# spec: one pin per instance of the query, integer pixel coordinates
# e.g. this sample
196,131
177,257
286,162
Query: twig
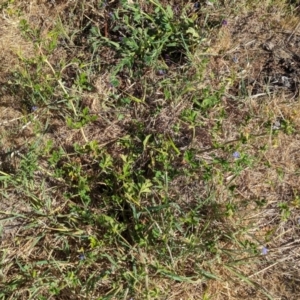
293,32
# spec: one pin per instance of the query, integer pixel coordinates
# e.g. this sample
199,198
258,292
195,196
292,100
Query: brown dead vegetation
257,56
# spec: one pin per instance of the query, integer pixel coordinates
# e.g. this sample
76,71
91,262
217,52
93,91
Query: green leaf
170,12
173,146
145,188
178,277
209,275
146,141
116,45
193,32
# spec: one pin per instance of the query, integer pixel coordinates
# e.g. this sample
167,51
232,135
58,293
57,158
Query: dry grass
257,205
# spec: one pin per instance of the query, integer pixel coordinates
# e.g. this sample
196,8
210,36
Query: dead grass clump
275,182
12,44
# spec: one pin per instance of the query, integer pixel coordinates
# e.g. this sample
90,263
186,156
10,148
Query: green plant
169,188
84,119
140,38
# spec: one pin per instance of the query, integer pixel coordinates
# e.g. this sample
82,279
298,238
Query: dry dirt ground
262,51
257,55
